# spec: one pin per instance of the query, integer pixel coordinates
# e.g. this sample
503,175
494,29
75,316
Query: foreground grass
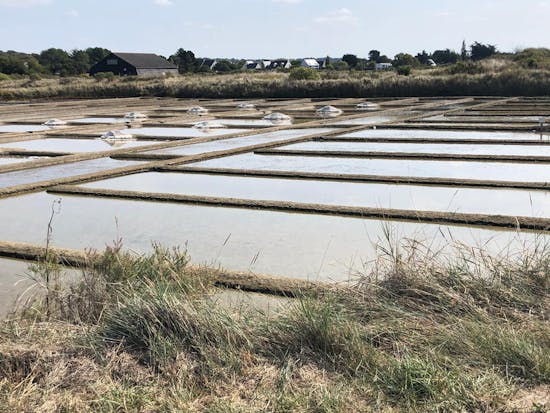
418,333
508,81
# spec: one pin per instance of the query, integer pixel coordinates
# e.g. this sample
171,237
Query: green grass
419,332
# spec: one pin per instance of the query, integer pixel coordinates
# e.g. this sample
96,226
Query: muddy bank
243,281
502,221
404,180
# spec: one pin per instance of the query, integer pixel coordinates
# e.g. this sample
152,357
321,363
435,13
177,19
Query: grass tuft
422,331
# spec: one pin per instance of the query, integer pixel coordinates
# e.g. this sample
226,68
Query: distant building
253,65
311,63
209,64
279,64
430,62
383,66
134,64
265,63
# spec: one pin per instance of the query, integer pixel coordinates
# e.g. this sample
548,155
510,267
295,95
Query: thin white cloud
163,3
72,13
24,3
342,15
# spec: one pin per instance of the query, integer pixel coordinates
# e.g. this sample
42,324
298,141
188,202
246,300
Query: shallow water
500,171
5,160
295,245
367,120
98,120
14,280
23,128
59,171
182,132
490,119
232,143
409,197
524,150
18,283
249,122
444,134
74,145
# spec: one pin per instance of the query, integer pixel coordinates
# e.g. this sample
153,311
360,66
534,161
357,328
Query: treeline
477,51
51,62
58,62
188,63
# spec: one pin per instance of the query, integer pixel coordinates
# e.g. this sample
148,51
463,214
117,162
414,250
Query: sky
272,28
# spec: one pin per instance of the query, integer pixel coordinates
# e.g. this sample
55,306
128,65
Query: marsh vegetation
416,332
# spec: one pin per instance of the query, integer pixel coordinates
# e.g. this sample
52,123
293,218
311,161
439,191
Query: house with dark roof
209,64
252,65
279,64
134,64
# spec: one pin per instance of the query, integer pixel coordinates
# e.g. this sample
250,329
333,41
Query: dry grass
419,332
494,77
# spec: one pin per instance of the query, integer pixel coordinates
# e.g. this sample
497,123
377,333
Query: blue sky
272,28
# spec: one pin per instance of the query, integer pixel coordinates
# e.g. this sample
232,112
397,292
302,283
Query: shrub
303,73
534,58
469,68
104,76
3,76
404,70
35,76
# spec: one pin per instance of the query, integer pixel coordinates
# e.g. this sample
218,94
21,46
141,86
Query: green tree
12,62
362,64
447,56
423,57
80,61
374,55
405,59
351,60
226,66
482,51
185,60
56,61
341,65
96,54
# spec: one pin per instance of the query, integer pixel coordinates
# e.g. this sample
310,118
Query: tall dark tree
56,61
96,54
383,59
351,60
80,61
423,57
447,56
482,51
374,55
185,60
